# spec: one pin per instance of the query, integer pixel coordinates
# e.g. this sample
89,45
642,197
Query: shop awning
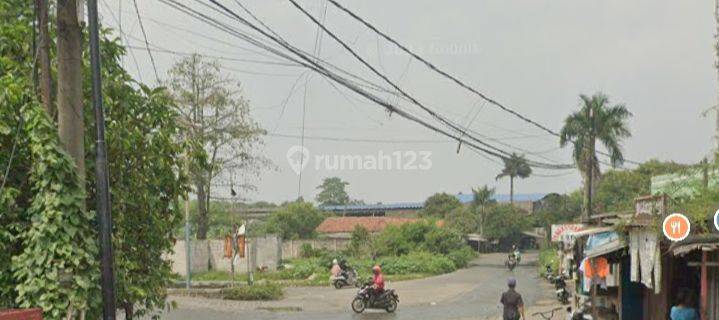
591,231
705,242
607,248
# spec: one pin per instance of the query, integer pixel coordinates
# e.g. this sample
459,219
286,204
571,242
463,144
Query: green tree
48,242
332,192
440,205
557,208
463,219
297,220
596,119
482,198
505,223
515,166
360,241
217,124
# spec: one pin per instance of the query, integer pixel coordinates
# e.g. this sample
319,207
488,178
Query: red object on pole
21,314
704,288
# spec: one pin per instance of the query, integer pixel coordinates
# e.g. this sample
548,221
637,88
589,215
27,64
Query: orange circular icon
676,227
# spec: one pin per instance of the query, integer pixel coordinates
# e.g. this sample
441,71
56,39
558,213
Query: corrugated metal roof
370,207
519,197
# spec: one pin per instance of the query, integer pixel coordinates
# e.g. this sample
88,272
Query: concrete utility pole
716,66
70,120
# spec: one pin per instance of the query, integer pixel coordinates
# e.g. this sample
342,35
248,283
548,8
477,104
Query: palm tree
597,119
514,166
481,199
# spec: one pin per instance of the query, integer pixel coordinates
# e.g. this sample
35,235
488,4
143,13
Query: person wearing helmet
512,302
336,270
377,279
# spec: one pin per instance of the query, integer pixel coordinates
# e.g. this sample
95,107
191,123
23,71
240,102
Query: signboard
560,229
650,205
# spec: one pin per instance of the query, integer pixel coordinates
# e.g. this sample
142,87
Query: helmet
334,261
511,282
376,269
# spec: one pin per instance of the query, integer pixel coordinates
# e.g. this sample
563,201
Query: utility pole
70,111
101,171
716,66
43,56
188,252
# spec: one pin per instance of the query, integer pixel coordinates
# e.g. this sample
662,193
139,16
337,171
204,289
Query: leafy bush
420,236
360,241
306,251
548,257
297,220
505,223
462,257
439,205
268,291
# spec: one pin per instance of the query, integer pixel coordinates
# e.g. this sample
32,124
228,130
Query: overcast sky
534,56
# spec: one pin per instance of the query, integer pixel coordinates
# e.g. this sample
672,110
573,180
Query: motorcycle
549,274
365,299
345,278
562,293
511,263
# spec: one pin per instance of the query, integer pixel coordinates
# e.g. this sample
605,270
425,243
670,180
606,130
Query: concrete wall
291,248
209,255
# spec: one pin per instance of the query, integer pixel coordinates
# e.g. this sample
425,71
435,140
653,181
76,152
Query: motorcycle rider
336,269
512,302
377,283
515,253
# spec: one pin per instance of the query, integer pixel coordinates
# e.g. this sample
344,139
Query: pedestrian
512,302
683,310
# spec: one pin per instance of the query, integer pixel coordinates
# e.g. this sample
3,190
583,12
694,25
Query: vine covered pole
101,171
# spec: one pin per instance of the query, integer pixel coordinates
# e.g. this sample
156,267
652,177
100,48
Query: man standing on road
512,302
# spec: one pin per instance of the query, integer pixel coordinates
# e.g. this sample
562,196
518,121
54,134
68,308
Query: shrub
306,251
268,291
462,257
297,220
419,236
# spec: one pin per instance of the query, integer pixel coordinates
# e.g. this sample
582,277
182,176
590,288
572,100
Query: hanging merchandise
601,266
228,247
241,246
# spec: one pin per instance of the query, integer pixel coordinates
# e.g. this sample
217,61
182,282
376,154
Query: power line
404,93
341,139
440,71
454,79
144,35
312,64
216,57
127,42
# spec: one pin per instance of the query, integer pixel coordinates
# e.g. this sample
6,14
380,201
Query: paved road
470,293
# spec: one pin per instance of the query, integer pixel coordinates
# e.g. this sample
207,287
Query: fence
263,252
291,248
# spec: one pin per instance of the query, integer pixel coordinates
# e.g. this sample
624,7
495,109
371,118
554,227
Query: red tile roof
372,224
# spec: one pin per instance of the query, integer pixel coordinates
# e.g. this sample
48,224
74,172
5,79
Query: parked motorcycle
561,287
549,274
511,263
345,278
387,300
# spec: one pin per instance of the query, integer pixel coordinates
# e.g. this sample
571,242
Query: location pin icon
298,157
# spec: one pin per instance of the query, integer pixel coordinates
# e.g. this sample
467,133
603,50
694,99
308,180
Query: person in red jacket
377,282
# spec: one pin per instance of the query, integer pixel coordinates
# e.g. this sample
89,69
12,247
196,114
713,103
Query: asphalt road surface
471,293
